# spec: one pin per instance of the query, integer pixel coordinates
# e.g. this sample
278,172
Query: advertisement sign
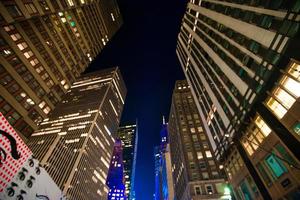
21,176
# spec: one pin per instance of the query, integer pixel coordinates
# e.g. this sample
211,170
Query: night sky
144,49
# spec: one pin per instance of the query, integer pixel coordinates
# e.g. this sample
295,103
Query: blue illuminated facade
115,177
158,174
161,166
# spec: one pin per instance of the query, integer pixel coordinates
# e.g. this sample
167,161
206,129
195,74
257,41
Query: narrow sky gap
144,49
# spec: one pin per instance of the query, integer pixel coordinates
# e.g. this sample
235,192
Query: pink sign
13,153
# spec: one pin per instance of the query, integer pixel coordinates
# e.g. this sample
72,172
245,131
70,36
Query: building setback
45,45
129,137
196,173
241,61
75,143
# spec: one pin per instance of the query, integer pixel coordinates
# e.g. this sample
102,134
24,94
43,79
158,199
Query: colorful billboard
21,176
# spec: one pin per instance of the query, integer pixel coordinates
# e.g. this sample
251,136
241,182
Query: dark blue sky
144,49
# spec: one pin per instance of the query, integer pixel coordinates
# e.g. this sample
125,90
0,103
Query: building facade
115,178
240,59
157,173
196,173
75,143
129,137
45,45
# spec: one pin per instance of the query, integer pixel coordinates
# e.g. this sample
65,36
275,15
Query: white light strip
118,91
92,82
113,107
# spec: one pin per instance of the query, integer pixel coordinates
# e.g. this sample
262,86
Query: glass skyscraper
128,134
75,143
45,45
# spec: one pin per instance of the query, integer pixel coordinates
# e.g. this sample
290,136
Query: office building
157,173
164,189
240,59
196,173
44,46
128,134
115,178
75,144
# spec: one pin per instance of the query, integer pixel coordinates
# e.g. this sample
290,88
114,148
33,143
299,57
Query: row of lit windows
286,92
255,135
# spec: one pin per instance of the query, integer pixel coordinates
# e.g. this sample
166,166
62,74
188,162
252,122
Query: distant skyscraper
45,45
75,143
164,189
196,172
157,173
241,61
115,177
129,137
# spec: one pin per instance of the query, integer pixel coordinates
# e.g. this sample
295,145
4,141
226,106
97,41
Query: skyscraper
129,137
75,143
196,173
164,188
115,177
157,173
45,45
241,61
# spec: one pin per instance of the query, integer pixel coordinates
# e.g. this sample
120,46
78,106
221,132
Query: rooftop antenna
164,121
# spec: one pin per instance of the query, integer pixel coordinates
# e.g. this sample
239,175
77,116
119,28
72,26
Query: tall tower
128,134
115,177
240,59
45,45
157,173
75,143
196,172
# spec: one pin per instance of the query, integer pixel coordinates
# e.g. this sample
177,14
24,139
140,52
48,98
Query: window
205,175
286,93
209,189
15,37
22,45
197,190
199,155
260,123
275,165
30,8
14,10
202,165
208,154
28,54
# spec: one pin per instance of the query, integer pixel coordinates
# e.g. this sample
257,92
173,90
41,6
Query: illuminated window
28,54
286,93
193,130
261,124
22,45
255,135
34,62
70,2
199,155
276,107
15,37
42,104
30,8
208,154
